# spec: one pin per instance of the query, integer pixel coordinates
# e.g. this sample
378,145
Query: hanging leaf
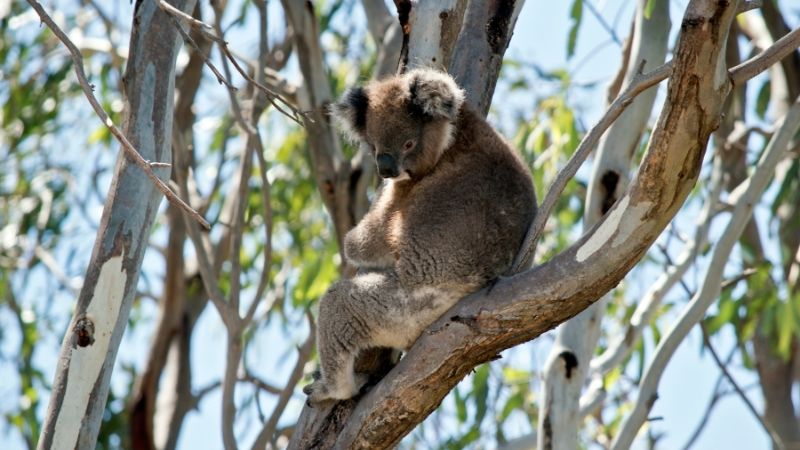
576,14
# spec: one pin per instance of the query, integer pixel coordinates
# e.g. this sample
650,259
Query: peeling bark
83,373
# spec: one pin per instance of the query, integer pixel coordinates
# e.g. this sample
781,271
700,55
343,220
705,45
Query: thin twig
716,395
188,39
759,63
204,28
127,147
776,438
260,384
202,246
268,221
266,192
609,29
202,392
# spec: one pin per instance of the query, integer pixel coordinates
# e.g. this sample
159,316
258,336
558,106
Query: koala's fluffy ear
435,93
350,113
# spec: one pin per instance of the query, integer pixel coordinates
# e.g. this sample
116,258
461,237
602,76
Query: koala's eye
409,145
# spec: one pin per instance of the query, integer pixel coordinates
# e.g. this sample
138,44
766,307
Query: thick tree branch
738,74
567,366
652,299
90,345
481,43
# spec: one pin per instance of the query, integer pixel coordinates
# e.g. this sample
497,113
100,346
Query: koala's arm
366,246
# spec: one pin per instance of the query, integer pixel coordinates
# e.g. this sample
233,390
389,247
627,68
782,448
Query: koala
451,214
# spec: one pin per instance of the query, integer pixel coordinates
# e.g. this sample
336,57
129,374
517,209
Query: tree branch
738,74
303,355
568,365
724,369
761,62
715,397
709,291
638,84
128,148
274,97
521,307
651,300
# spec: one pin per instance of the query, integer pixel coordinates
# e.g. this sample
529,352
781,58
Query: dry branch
275,98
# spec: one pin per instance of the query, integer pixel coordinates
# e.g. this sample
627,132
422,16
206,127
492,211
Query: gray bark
90,345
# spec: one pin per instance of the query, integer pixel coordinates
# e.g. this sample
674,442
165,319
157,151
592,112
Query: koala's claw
317,394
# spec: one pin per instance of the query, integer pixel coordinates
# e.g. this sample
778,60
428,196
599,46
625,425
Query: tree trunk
90,345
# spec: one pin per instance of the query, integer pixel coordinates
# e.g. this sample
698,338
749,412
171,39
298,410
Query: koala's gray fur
449,218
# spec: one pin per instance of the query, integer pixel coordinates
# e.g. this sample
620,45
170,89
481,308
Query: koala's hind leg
351,314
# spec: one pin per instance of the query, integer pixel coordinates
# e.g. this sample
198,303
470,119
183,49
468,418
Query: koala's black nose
387,166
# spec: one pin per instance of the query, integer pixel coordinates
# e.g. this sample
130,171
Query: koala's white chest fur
389,208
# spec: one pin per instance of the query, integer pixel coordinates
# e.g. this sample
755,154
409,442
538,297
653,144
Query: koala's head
407,120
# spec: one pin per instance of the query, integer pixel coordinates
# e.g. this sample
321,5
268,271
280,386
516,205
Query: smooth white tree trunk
90,345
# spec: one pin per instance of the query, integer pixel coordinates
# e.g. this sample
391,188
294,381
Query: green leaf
461,406
513,403
762,101
648,8
576,13
789,187
727,310
787,325
480,391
